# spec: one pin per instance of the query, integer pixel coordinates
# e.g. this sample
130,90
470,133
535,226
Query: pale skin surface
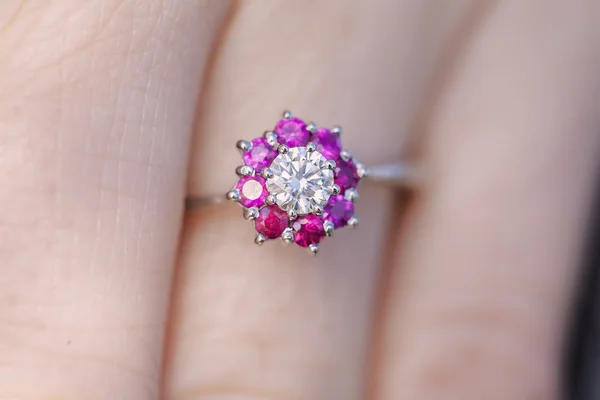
109,291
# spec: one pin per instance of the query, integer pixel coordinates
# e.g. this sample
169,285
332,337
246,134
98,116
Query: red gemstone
328,143
253,191
260,155
345,174
308,230
338,211
271,222
292,132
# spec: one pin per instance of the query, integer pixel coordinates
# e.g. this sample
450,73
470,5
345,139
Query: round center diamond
300,180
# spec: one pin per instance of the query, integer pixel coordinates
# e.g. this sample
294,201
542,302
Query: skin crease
462,297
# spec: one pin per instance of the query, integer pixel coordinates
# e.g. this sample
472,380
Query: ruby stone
253,191
308,230
260,155
346,175
338,211
271,222
328,143
292,132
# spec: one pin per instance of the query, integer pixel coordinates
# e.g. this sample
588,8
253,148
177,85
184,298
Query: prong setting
337,130
283,149
267,173
292,214
251,213
328,227
361,170
311,127
351,195
336,189
311,147
317,209
245,170
287,236
330,164
244,145
353,222
313,248
287,114
270,200
271,138
346,155
233,195
260,239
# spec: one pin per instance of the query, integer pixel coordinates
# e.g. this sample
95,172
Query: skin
113,111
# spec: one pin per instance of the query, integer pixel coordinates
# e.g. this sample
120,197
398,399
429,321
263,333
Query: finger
476,301
271,322
96,106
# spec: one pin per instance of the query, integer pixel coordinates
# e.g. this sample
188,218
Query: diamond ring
298,184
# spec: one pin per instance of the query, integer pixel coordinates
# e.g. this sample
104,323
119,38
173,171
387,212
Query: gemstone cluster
297,183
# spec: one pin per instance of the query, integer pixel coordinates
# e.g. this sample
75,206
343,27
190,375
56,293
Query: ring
298,184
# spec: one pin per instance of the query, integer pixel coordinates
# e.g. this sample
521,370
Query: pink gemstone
253,191
292,132
308,230
345,174
260,155
338,211
271,222
328,144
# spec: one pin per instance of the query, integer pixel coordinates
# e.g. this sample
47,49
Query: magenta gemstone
292,132
308,230
253,191
271,222
345,174
338,211
328,143
260,155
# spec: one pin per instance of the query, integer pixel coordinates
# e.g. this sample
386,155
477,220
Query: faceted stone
260,155
292,132
300,180
308,230
338,211
328,143
271,222
345,174
253,191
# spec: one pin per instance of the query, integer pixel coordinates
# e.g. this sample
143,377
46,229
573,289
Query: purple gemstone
271,222
338,210
308,230
345,174
328,143
253,191
260,155
292,132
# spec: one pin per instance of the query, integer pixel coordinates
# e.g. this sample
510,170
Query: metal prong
244,170
335,189
244,145
267,173
330,164
316,209
271,138
353,222
270,200
233,195
287,236
361,170
250,213
313,248
292,214
328,226
283,149
287,114
311,127
260,239
310,147
346,155
351,194
336,130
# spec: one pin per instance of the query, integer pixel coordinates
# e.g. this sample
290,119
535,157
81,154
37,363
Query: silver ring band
399,175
